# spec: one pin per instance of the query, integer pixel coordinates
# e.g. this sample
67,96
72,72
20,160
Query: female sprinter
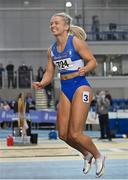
68,53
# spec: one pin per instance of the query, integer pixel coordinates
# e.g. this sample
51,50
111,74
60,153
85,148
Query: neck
61,42
62,38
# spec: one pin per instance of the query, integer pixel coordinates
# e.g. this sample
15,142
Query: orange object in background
10,140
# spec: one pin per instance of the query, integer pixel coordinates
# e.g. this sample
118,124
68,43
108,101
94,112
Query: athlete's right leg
63,117
63,113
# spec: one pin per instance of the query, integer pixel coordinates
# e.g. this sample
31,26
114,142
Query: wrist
42,84
85,69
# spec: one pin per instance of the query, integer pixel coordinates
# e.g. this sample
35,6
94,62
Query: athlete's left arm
82,48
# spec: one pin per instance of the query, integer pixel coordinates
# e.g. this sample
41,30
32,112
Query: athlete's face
58,25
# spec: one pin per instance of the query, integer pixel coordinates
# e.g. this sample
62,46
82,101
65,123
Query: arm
48,75
82,48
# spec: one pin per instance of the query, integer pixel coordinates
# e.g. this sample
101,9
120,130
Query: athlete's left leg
79,112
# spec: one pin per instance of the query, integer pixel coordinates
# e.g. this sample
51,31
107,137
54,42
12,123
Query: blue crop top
69,59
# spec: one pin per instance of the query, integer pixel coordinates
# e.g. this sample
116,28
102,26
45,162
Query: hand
37,85
81,71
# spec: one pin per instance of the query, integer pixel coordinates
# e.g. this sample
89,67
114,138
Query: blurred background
25,37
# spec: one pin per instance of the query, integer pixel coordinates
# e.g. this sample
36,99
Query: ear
66,27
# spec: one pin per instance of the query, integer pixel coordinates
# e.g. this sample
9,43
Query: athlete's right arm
48,75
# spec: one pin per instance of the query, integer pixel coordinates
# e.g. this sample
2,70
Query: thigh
80,107
63,113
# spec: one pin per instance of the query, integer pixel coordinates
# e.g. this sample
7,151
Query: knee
73,137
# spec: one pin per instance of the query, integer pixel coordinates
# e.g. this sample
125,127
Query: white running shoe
100,163
88,161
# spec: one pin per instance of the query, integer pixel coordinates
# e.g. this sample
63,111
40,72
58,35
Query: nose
52,25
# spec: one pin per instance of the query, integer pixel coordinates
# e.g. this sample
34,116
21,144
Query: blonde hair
78,32
67,18
73,29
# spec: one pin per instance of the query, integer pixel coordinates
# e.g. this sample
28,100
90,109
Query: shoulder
53,46
78,43
50,55
49,52
51,49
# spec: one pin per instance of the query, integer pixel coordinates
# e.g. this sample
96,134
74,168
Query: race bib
86,96
63,64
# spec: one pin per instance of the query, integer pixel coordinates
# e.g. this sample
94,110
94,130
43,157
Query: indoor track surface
53,159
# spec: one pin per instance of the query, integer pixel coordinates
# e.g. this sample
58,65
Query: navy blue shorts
69,86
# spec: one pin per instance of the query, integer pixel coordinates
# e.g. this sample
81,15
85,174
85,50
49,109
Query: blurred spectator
15,79
24,77
6,106
40,73
29,97
11,104
30,68
16,104
1,75
1,105
112,29
30,101
1,102
108,95
93,103
10,75
1,99
49,93
95,28
102,109
22,122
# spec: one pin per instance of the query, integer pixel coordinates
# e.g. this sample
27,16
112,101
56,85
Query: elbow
95,64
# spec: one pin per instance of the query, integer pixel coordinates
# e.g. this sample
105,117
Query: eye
51,23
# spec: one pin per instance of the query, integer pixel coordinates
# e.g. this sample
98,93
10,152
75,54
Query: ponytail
78,32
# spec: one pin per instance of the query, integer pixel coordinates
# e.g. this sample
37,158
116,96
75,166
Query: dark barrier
34,138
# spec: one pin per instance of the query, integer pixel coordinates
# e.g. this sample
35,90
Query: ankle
88,156
98,156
